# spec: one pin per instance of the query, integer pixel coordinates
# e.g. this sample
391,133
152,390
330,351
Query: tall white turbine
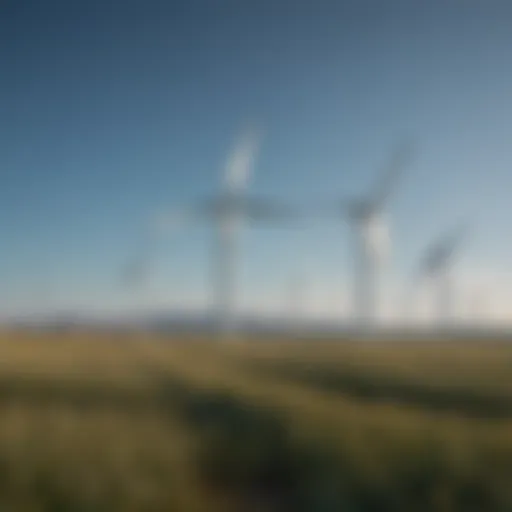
228,210
436,265
371,239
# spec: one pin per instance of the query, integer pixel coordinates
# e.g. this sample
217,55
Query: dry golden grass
81,429
474,363
474,378
384,448
124,422
56,458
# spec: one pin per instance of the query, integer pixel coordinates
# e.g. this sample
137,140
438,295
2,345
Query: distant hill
173,322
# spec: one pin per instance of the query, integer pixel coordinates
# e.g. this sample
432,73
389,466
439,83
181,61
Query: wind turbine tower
228,211
296,298
437,265
370,236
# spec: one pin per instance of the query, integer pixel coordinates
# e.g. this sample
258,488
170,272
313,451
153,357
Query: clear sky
111,110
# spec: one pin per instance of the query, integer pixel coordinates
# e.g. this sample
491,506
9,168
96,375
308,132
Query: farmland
139,422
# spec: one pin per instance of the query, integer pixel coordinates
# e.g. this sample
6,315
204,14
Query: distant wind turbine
437,263
137,273
477,302
228,210
296,297
371,239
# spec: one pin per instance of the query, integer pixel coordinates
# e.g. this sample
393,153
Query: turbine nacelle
248,208
360,211
440,255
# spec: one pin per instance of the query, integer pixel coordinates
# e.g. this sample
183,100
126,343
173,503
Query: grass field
133,422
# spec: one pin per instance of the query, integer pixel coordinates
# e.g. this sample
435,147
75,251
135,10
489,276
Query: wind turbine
478,303
296,298
227,211
370,234
161,226
437,264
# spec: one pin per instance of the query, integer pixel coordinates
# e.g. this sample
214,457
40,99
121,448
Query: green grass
472,383
136,423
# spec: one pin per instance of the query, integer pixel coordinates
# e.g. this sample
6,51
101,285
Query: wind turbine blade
136,272
268,210
331,209
168,223
436,265
159,227
240,162
164,224
439,252
458,236
391,175
455,240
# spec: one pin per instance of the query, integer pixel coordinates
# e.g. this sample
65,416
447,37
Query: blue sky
112,110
